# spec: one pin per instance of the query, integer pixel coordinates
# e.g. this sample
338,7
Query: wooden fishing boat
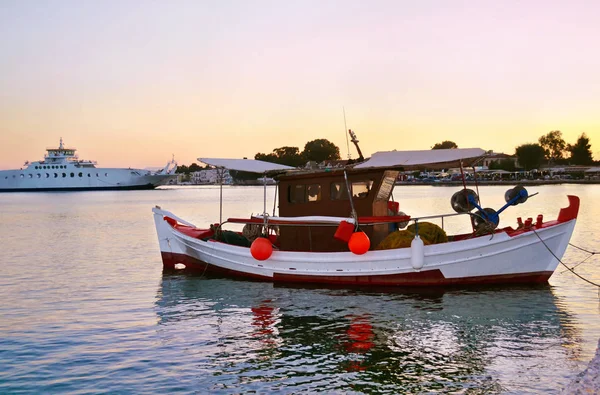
341,227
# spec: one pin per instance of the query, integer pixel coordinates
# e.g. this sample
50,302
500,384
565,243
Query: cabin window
297,193
105,174
360,189
47,175
338,191
97,175
80,174
22,176
89,174
72,174
55,175
39,175
31,176
313,193
64,175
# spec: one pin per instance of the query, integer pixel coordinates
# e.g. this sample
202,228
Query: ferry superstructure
62,170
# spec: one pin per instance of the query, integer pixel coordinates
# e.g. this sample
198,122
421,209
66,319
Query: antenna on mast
346,128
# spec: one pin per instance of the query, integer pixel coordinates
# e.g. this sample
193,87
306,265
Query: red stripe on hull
415,279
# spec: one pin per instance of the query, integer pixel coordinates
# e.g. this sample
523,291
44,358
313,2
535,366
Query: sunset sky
128,83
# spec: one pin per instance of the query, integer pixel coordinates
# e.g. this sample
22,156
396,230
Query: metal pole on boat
265,193
275,199
220,175
351,201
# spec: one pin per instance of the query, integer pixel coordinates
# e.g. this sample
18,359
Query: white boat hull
522,257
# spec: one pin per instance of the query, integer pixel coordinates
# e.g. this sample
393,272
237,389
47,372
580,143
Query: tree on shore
289,156
553,145
447,144
530,156
503,164
320,150
317,150
183,169
581,152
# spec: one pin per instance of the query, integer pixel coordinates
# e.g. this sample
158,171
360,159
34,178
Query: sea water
85,308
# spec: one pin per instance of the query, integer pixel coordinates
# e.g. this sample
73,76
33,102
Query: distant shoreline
436,184
503,182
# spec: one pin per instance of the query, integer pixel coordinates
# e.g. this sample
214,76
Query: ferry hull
525,257
95,179
62,170
79,189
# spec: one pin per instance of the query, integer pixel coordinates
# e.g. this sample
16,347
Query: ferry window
80,174
72,174
47,175
31,176
64,175
36,167
22,176
313,193
297,193
39,175
55,175
361,189
105,174
338,191
97,175
89,174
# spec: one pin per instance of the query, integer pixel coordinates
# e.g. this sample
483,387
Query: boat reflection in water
254,336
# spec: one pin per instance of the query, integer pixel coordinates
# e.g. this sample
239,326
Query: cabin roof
249,165
421,158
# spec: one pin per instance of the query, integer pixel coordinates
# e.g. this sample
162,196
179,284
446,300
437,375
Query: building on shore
211,176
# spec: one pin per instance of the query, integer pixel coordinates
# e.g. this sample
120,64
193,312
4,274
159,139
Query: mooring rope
565,265
592,253
583,249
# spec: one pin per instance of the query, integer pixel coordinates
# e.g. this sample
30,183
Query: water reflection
269,338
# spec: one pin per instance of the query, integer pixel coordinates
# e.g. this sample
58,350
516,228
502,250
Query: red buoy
359,243
261,249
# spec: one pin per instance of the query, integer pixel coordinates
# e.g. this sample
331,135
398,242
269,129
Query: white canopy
422,157
250,165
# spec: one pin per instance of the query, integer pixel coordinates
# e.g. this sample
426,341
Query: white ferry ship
62,170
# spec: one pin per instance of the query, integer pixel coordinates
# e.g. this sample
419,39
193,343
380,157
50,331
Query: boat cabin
325,193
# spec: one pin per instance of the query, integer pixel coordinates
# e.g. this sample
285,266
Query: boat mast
347,142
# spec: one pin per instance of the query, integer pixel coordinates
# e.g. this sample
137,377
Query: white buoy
417,253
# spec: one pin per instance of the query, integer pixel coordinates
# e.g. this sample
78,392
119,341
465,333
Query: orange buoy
261,249
359,243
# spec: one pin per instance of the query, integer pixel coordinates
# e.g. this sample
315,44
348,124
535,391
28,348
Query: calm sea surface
85,308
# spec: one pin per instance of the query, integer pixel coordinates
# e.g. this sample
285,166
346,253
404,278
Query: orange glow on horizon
231,81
